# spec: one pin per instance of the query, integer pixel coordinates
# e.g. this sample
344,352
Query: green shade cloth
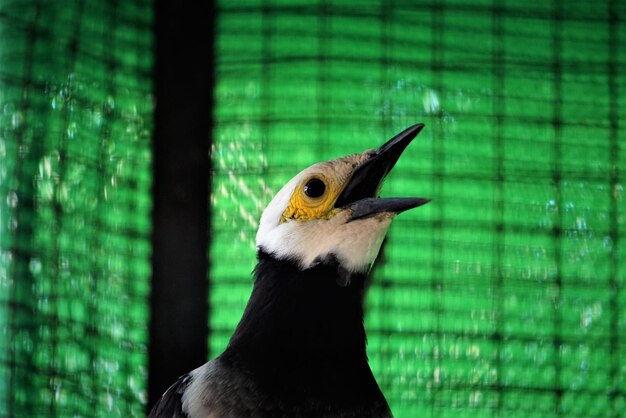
502,297
505,295
75,176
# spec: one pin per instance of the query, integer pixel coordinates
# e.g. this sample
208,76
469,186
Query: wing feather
171,403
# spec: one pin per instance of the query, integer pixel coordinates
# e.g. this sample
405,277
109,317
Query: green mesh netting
505,295
75,131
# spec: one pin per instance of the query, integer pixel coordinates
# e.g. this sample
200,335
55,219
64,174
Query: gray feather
170,405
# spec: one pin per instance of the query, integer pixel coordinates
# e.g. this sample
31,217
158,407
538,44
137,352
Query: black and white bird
299,349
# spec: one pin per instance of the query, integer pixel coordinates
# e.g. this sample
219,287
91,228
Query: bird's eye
314,188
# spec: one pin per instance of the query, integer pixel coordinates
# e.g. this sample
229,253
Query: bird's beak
360,195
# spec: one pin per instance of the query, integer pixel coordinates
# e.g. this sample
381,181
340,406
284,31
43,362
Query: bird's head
333,210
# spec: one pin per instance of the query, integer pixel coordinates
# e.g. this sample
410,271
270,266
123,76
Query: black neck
302,332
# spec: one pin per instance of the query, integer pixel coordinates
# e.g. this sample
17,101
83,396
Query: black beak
361,192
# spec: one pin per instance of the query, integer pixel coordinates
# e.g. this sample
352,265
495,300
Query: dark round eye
314,188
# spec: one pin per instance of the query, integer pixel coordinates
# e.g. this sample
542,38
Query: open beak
361,193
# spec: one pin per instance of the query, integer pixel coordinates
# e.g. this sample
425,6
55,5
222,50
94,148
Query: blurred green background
502,297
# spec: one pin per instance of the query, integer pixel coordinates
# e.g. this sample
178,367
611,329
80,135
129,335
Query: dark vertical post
184,78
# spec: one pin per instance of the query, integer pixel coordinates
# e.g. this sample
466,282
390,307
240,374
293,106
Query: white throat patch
355,244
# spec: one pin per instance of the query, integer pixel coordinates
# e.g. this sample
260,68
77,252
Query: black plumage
170,404
298,351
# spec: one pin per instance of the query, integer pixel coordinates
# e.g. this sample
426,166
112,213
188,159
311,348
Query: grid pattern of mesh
75,131
505,295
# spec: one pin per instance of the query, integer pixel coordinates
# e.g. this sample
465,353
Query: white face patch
354,243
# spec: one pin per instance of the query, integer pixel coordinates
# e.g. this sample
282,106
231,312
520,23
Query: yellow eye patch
307,205
315,196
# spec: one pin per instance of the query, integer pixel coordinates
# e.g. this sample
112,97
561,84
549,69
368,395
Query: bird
299,349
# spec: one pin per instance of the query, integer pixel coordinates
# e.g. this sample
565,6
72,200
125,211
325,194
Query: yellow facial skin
335,175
